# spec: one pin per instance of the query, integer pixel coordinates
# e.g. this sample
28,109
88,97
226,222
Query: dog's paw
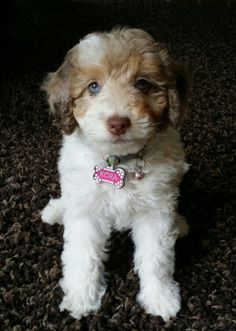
77,306
53,212
161,299
82,302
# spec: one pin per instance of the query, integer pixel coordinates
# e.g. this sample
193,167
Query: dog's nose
118,125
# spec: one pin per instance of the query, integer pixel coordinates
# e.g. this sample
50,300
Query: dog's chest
120,205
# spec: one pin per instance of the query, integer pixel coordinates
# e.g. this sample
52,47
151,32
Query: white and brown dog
119,98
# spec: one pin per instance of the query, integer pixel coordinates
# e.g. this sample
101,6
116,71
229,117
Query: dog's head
119,88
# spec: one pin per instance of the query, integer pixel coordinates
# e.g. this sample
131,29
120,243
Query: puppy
119,97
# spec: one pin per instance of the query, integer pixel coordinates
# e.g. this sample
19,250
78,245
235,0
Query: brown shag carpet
35,40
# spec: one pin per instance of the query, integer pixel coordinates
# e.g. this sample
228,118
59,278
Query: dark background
35,37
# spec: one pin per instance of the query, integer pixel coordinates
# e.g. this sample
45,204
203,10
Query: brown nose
118,125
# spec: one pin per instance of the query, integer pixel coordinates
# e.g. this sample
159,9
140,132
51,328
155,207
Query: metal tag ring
140,163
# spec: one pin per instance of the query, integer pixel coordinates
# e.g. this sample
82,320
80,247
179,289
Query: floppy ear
57,85
178,93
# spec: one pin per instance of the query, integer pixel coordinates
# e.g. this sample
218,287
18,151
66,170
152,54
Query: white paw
161,299
53,212
82,302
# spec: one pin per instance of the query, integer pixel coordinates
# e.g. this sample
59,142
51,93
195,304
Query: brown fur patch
158,112
86,75
64,117
79,108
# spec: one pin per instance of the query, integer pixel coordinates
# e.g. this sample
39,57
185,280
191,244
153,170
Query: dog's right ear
57,87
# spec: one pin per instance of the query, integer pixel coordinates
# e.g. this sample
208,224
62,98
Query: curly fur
148,207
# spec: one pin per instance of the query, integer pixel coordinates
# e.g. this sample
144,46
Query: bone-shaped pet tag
112,176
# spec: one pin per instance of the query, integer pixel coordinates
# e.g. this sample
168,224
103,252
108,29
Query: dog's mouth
119,140
122,141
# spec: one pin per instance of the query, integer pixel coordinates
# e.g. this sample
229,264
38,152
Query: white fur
53,212
90,211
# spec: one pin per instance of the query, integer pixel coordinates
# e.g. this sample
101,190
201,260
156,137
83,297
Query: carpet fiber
35,40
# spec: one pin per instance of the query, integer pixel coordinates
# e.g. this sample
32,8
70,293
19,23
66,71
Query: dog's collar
113,160
116,175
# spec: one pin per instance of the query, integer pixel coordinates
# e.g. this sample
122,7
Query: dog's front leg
83,254
154,238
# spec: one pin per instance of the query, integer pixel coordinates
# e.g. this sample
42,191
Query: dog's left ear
178,92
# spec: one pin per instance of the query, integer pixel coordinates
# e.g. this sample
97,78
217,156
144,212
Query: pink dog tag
107,175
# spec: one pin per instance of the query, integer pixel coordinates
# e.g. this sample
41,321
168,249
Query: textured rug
34,42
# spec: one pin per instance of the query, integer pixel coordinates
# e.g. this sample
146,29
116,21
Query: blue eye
143,85
94,87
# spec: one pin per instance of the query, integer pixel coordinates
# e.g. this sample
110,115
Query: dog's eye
94,87
143,85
